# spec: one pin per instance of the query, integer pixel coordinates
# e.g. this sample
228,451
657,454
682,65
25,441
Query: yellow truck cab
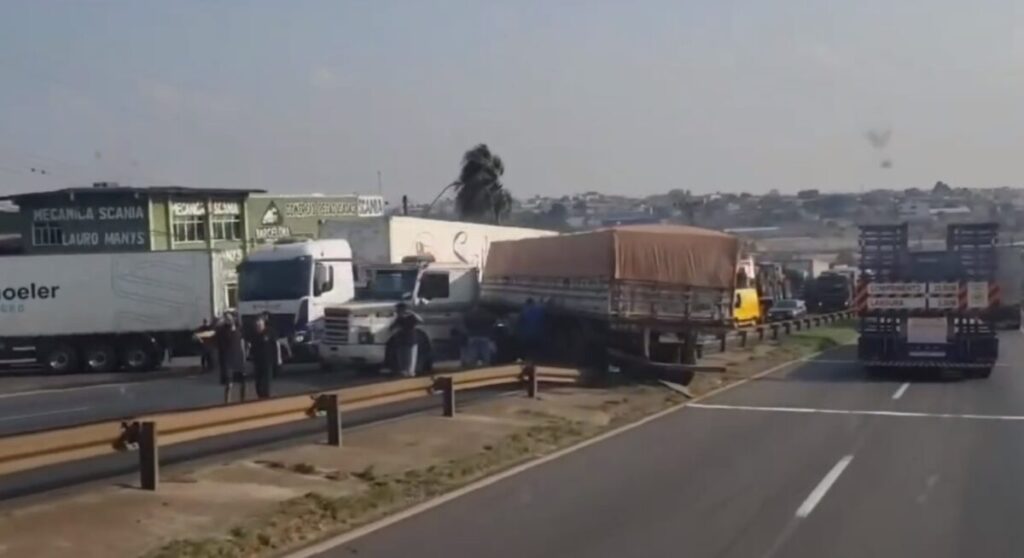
746,307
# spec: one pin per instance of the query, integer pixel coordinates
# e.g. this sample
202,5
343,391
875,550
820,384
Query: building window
190,228
227,227
231,290
47,234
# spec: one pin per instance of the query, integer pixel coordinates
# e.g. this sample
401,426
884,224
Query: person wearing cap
405,335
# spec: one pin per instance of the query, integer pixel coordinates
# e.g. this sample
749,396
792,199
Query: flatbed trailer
930,309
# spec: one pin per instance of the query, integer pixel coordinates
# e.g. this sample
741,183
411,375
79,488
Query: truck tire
99,357
137,356
61,358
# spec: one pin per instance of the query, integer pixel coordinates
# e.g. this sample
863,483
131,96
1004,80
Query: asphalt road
51,408
820,459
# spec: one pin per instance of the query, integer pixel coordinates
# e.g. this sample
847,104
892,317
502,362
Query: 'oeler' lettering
29,292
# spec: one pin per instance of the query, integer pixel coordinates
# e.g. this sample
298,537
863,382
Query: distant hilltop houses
807,212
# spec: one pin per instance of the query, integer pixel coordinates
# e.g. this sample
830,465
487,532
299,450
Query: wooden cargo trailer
646,291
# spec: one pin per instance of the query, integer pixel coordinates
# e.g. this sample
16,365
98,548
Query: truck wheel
61,358
137,357
100,357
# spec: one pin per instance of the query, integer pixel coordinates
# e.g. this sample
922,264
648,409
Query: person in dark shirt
263,351
230,355
530,330
405,336
204,335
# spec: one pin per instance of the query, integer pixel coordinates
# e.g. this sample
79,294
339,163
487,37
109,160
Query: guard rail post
807,323
760,333
721,342
775,331
447,386
531,380
743,338
817,321
799,325
330,403
787,326
149,456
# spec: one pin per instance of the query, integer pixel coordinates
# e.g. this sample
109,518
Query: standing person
230,355
405,325
204,335
530,330
282,344
478,347
263,351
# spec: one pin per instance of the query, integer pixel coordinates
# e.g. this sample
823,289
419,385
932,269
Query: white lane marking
899,393
44,414
360,532
819,491
812,360
809,410
59,390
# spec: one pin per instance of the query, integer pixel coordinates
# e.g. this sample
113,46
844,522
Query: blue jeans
477,350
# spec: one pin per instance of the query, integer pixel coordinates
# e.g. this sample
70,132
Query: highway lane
817,460
20,412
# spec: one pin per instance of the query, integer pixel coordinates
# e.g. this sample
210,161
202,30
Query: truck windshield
390,284
275,280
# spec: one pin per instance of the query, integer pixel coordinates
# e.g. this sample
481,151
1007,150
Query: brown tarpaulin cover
664,254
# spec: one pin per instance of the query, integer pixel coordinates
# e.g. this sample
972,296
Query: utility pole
380,187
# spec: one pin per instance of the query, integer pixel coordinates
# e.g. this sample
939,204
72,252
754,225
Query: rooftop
101,188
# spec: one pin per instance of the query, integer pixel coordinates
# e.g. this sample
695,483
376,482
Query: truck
104,312
432,265
293,281
1009,276
928,309
634,295
393,239
832,291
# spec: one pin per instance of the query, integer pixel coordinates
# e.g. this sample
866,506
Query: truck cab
358,333
293,282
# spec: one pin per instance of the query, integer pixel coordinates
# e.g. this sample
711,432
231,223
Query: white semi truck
431,264
293,282
103,312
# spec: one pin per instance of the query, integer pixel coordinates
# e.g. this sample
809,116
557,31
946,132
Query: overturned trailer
643,291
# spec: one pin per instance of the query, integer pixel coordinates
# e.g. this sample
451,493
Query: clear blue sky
637,97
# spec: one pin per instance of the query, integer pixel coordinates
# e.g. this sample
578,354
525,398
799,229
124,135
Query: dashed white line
808,410
44,414
826,483
899,393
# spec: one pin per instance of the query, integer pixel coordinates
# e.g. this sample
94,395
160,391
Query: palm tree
478,190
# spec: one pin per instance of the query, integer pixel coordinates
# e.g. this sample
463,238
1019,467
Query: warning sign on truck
892,289
894,303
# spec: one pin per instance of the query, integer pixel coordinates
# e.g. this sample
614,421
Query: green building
227,223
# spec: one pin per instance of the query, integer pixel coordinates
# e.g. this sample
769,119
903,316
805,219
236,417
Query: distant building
228,223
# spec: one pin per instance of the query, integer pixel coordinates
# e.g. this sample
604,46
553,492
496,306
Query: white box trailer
390,239
101,312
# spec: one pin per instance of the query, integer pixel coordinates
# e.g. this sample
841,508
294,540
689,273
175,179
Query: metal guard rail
23,452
